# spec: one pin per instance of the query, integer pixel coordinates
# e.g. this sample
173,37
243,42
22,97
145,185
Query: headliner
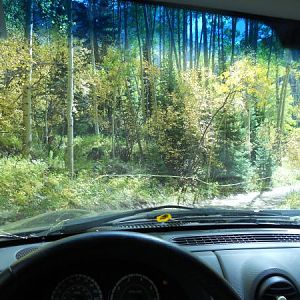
283,9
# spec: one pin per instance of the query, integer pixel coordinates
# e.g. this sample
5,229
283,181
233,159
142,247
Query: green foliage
20,181
293,149
9,145
28,188
292,201
139,111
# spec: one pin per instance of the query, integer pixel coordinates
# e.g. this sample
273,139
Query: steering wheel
186,269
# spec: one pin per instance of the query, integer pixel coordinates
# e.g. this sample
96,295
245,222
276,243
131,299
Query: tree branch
215,114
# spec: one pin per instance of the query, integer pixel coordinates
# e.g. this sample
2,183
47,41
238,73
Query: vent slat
236,239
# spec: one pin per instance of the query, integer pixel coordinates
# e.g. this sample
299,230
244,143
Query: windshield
110,105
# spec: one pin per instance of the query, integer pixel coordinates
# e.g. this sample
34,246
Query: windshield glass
109,105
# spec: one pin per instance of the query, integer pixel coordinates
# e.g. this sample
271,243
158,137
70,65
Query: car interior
155,254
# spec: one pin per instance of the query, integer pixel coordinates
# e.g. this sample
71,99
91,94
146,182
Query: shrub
20,182
28,188
9,145
292,201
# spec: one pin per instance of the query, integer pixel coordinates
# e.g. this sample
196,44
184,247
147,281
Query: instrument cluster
133,286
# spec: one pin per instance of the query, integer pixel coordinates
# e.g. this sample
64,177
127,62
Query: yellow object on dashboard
164,218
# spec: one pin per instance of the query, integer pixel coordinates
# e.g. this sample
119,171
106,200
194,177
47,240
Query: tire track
255,200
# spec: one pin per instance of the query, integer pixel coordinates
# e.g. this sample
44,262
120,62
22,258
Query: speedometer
77,287
135,287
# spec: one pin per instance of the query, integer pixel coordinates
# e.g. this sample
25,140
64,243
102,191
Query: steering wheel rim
136,247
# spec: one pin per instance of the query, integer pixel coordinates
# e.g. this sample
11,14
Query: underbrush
286,175
28,188
31,187
292,201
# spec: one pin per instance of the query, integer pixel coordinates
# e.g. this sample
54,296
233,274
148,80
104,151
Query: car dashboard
257,263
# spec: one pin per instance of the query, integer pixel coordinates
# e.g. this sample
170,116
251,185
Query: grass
32,187
292,201
28,188
286,175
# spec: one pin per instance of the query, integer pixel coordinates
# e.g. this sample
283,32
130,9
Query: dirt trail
255,200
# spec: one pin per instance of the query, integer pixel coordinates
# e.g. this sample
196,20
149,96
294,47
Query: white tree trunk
113,133
27,95
93,61
70,93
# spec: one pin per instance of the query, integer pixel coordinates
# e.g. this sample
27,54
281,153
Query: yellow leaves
293,149
225,75
261,103
243,76
267,136
150,69
223,89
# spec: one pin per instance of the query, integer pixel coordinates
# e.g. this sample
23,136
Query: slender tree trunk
270,53
113,128
97,12
171,49
153,24
179,36
246,35
27,95
3,28
205,42
160,35
191,40
126,44
48,103
70,93
200,48
148,34
114,20
221,54
277,78
254,37
93,63
164,33
233,38
213,49
222,44
143,104
196,39
172,39
184,39
119,23
281,111
137,128
210,40
283,99
219,45
46,123
249,146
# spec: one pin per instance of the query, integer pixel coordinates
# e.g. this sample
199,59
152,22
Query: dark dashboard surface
259,264
109,279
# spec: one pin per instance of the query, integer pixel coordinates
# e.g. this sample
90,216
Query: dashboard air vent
25,251
277,287
236,239
145,225
141,226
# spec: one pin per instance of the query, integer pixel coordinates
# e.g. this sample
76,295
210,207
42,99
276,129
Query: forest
108,104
